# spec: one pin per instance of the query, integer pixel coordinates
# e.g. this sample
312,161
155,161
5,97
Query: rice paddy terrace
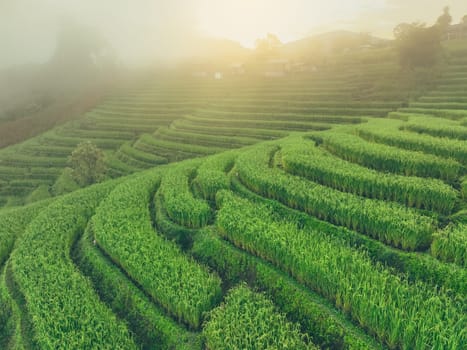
305,213
173,118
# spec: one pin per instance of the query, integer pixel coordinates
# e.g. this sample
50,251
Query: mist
52,47
139,31
146,32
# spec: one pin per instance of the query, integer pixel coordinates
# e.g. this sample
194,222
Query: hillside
321,245
322,210
175,116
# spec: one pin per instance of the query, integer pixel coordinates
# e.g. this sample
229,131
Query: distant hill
218,49
331,42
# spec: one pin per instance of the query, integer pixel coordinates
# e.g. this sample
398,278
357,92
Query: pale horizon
143,30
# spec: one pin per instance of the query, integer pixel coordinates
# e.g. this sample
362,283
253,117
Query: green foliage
149,323
401,314
173,151
417,267
305,159
194,127
178,199
138,158
389,222
387,158
450,245
203,140
87,164
211,176
387,132
326,328
40,193
181,234
437,127
418,45
14,221
248,320
6,314
122,227
439,112
64,310
64,183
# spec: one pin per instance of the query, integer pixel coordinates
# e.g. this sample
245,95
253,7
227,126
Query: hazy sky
140,29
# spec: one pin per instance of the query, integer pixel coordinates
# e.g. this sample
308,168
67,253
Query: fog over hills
143,31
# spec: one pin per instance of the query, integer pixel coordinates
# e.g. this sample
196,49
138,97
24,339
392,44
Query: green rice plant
275,115
399,313
13,332
182,235
389,222
248,320
122,227
31,174
64,310
172,155
433,97
7,315
13,223
317,318
118,167
138,128
416,266
136,111
333,109
302,158
21,187
145,319
47,151
126,159
440,105
256,133
64,183
150,159
72,141
450,245
211,175
178,200
442,113
387,132
174,147
26,161
388,158
436,127
203,139
281,125
40,193
261,104
73,130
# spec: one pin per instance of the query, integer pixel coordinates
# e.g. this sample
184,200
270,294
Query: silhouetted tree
269,45
464,20
418,45
444,21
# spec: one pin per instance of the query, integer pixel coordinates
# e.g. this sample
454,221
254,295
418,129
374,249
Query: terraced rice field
275,235
298,222
171,118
